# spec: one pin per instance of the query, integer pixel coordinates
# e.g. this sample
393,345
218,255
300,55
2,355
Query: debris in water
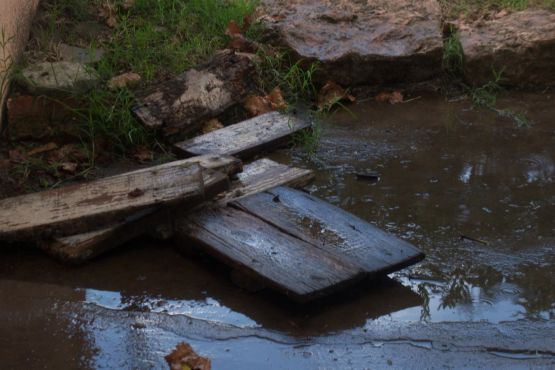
369,175
465,237
331,94
184,357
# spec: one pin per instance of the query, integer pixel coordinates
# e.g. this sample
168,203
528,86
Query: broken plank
82,207
245,138
265,174
286,263
331,229
179,107
81,247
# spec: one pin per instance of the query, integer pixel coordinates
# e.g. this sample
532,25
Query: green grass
155,38
453,56
295,79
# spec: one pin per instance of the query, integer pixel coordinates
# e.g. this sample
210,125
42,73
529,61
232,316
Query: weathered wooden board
82,247
180,106
82,207
296,243
331,229
245,138
265,174
284,262
257,176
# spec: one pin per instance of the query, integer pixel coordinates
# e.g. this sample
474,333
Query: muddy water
473,191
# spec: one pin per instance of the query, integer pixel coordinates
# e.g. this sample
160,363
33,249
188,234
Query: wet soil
476,193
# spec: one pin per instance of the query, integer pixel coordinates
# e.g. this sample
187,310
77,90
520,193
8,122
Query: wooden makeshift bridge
250,217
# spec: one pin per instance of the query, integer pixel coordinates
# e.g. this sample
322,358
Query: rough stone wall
15,21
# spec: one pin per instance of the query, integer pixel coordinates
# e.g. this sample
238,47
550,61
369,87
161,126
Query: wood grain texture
245,138
82,247
81,207
284,262
265,174
296,243
331,229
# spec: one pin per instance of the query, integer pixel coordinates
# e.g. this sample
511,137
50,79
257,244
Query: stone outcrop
59,77
521,45
360,42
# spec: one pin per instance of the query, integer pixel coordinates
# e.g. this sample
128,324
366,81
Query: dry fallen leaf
128,79
257,105
142,153
332,93
70,167
233,29
128,4
394,97
184,357
241,44
43,148
108,13
212,125
276,99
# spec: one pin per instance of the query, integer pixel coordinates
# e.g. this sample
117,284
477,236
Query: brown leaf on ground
394,97
257,105
276,99
247,21
67,153
42,149
241,44
142,153
233,29
332,93
128,79
70,167
212,125
128,4
107,12
184,357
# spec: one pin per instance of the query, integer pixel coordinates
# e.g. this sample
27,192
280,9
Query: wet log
179,107
83,207
85,246
245,138
297,244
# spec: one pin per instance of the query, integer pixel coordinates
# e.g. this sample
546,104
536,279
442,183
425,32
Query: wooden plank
331,229
284,262
245,138
82,247
288,239
81,207
179,107
265,174
257,176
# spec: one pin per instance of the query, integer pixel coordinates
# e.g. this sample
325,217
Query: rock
129,79
520,44
359,42
59,76
179,107
79,55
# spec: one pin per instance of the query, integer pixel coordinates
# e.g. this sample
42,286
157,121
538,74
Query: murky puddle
473,191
